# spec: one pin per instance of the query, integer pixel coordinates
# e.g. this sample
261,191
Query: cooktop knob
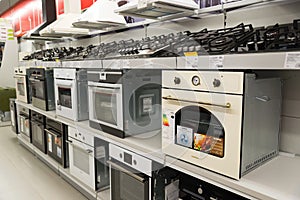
200,190
216,83
177,80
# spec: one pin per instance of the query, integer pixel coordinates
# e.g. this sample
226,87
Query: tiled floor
23,176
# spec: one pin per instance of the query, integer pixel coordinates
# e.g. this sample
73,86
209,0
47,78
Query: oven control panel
131,159
81,135
212,81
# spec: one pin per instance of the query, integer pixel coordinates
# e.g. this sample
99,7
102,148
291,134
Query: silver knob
200,190
216,83
177,80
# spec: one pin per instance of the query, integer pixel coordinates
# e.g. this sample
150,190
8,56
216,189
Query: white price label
58,150
292,60
191,62
49,142
216,62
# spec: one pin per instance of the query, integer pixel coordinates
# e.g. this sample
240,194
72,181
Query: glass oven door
21,88
106,106
38,135
24,125
38,88
81,157
126,184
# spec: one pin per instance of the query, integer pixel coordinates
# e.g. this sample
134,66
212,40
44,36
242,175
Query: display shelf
147,144
150,63
276,179
83,64
76,183
259,61
103,195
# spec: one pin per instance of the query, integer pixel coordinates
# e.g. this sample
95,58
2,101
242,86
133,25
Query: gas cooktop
242,38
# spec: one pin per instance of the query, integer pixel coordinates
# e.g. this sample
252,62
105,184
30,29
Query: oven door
81,158
38,135
21,88
126,184
65,98
106,105
55,148
24,125
203,129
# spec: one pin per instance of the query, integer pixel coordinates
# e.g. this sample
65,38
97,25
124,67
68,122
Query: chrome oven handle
114,165
227,105
34,80
69,142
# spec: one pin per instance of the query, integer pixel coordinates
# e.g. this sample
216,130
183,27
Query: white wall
10,60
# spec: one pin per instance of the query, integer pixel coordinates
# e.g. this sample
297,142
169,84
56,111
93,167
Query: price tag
292,61
216,62
191,60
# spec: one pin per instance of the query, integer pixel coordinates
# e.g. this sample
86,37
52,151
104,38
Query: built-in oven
82,156
38,132
125,102
42,87
135,177
24,122
13,115
57,148
22,85
227,122
71,93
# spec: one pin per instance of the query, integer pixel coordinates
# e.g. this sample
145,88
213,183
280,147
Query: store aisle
23,176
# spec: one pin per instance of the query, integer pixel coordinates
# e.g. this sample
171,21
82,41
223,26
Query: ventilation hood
100,15
49,16
63,27
158,9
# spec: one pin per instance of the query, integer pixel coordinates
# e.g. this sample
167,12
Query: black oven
37,131
24,115
57,134
42,87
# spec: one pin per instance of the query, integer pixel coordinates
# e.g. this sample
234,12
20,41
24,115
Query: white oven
81,156
106,105
22,88
71,93
227,122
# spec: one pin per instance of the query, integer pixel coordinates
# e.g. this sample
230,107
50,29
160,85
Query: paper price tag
191,60
216,62
292,61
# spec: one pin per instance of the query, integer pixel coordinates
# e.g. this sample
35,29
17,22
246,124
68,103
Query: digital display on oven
128,158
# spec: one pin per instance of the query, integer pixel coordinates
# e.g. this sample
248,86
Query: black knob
216,83
134,162
177,80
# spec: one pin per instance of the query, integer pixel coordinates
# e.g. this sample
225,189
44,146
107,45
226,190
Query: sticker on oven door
49,142
168,127
184,136
147,105
58,150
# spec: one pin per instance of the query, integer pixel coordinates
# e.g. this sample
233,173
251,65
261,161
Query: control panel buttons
177,80
196,80
216,83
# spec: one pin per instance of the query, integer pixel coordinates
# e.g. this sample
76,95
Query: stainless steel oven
56,134
22,85
24,122
42,87
125,102
135,177
227,122
37,131
71,93
130,175
82,156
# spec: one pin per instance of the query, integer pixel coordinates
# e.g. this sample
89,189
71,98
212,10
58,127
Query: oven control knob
134,162
200,190
216,83
177,80
121,156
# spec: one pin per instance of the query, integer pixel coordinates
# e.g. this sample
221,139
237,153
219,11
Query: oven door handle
114,165
227,105
70,142
34,80
52,133
16,76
